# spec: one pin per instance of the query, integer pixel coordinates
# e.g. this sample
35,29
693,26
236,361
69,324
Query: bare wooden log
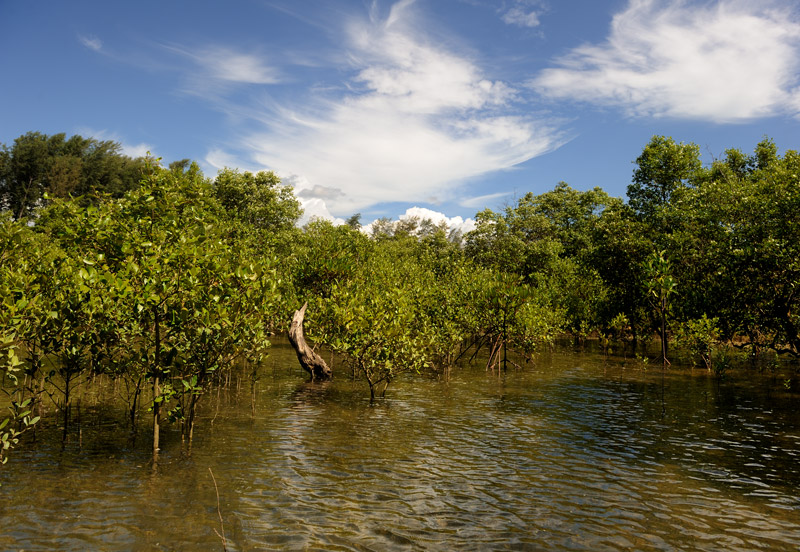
309,360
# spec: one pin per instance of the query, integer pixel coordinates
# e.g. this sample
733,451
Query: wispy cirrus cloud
91,42
217,70
412,121
226,64
725,61
131,150
484,201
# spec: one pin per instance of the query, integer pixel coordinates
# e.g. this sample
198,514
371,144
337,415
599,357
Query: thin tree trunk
156,414
664,332
157,387
135,404
192,412
67,399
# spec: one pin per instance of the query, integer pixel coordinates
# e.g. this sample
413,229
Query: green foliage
260,206
661,285
721,365
512,314
26,282
408,301
738,237
354,221
327,255
619,328
372,319
38,166
621,246
548,240
13,426
20,313
660,282
148,287
699,336
662,171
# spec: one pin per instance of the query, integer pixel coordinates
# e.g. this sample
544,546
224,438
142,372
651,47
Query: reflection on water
571,454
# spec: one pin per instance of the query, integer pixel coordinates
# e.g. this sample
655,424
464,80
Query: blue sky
379,107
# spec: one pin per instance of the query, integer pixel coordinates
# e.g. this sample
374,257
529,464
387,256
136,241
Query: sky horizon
446,107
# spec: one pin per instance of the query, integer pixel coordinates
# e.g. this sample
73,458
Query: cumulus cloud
725,61
415,120
524,13
453,224
315,208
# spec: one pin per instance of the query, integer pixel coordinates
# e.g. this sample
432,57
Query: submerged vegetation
166,281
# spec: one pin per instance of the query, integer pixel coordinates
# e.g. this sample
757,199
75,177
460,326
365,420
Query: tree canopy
37,166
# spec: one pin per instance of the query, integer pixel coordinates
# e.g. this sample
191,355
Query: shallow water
574,453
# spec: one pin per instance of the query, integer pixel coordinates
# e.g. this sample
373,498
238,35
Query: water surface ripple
574,453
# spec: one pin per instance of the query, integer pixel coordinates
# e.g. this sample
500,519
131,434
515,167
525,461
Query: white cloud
136,150
131,150
219,159
320,192
91,42
228,65
484,201
217,70
316,208
725,61
523,14
403,73
312,199
421,213
453,223
415,122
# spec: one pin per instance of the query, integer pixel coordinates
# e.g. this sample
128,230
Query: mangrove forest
163,279
163,289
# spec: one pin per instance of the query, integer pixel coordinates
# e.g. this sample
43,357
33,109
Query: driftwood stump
309,360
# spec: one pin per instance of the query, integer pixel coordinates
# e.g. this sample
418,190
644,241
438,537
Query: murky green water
575,453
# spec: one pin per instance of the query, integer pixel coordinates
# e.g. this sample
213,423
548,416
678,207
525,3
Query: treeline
166,280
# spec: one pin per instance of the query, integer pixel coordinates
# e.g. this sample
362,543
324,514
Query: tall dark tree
38,164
